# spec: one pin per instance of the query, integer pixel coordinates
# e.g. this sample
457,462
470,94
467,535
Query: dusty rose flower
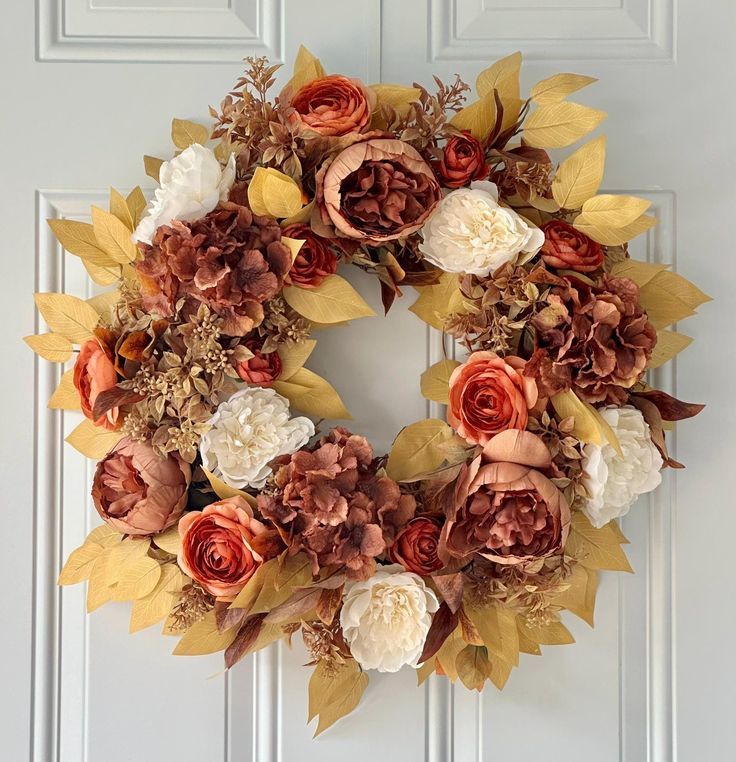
463,160
489,394
315,260
138,492
217,546
566,248
376,191
261,369
508,511
331,504
94,373
334,105
230,260
415,546
595,339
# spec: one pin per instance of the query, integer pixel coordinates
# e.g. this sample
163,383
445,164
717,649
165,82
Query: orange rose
568,249
415,547
334,105
217,546
94,373
489,394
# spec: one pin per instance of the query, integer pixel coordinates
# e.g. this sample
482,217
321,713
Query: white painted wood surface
88,87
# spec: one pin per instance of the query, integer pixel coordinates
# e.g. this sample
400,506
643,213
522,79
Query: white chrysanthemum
469,232
192,184
614,482
385,619
247,432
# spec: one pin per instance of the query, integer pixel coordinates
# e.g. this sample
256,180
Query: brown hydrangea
594,339
231,260
331,503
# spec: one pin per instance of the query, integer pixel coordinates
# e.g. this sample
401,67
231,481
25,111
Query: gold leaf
119,207
614,236
78,566
595,548
113,236
339,696
288,573
293,244
50,346
448,653
312,395
307,67
249,594
65,396
611,211
152,166
203,637
668,297
273,194
589,425
579,598
502,76
435,381
438,301
67,315
497,627
415,452
78,238
302,216
98,591
333,301
557,125
669,344
93,441
478,118
104,275
170,540
129,551
397,97
557,87
552,634
224,491
136,203
425,670
158,603
579,176
103,302
184,133
293,356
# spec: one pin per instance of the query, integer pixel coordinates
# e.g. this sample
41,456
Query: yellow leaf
302,216
497,627
397,97
279,583
293,356
103,302
293,244
170,540
614,236
669,345
224,491
312,395
119,207
98,591
203,637
552,634
273,194
448,653
502,76
640,272
335,693
333,301
610,211
595,548
158,603
478,118
113,236
93,441
78,566
50,346
67,315
435,381
425,670
579,598
557,87
579,176
136,203
473,667
78,238
152,166
66,396
184,133
416,451
307,68
557,125
589,425
438,301
104,275
264,575
668,297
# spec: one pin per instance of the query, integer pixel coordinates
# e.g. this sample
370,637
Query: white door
88,87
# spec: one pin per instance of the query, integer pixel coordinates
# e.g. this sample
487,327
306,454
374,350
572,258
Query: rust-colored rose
489,394
376,191
315,260
138,492
568,249
415,547
217,546
463,160
263,368
94,373
508,510
334,105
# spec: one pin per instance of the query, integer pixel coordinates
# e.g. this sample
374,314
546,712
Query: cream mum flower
614,482
385,619
192,184
470,232
247,432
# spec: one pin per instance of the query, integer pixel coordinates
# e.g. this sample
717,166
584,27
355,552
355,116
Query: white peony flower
385,619
469,232
192,184
248,431
613,482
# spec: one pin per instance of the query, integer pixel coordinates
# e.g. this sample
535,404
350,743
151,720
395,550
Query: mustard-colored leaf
579,598
204,637
224,491
184,133
435,381
557,87
333,301
557,125
502,76
613,211
158,603
595,548
440,300
609,236
51,346
579,176
589,425
293,356
273,194
312,394
478,118
93,441
113,236
416,452
78,238
669,345
152,166
119,207
65,396
67,315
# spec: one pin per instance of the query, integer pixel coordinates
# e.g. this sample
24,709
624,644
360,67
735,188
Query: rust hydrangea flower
594,339
231,260
331,504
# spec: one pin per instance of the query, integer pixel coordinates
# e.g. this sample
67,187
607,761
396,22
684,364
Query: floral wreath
230,518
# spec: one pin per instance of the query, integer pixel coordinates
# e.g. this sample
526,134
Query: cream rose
191,185
385,619
469,232
247,432
614,482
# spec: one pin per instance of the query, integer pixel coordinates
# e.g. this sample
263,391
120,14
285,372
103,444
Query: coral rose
315,260
463,160
508,511
415,547
566,248
489,394
376,191
94,373
334,105
217,546
138,492
261,369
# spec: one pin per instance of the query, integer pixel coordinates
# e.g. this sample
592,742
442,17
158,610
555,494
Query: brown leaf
671,409
227,618
301,602
244,640
111,398
328,603
451,587
443,624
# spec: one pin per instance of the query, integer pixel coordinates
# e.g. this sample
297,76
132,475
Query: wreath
229,516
